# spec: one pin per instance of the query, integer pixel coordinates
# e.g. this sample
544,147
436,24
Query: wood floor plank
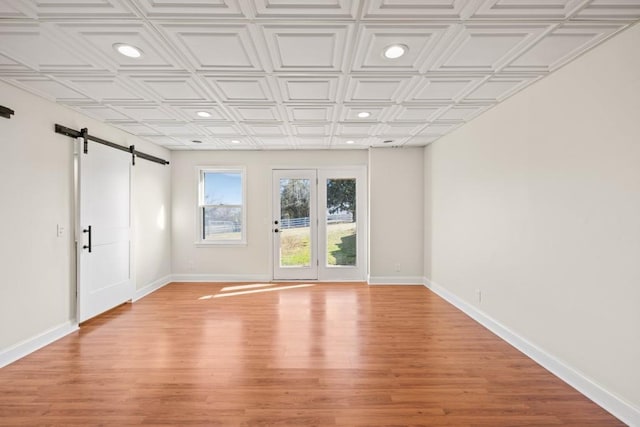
342,354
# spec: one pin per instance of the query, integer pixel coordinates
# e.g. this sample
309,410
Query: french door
319,224
103,230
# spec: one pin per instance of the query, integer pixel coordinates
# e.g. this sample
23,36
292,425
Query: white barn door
103,230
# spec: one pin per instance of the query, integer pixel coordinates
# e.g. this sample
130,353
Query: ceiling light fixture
349,142
128,50
395,51
197,141
364,114
203,114
235,141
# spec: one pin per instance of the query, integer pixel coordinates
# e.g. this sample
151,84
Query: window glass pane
341,222
295,233
222,223
222,188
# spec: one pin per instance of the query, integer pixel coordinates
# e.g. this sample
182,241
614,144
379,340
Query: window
221,206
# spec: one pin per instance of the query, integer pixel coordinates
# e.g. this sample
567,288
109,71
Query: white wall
396,210
537,203
37,285
250,262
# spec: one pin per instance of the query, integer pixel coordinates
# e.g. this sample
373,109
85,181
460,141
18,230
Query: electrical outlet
191,265
397,267
59,230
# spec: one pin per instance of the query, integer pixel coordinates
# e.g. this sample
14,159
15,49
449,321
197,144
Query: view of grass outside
341,245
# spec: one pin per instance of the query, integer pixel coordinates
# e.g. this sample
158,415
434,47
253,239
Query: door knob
275,222
276,230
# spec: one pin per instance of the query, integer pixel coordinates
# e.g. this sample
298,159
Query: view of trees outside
341,222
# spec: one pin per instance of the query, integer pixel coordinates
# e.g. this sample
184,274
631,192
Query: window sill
201,244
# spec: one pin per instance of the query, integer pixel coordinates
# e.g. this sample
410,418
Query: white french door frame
325,272
309,272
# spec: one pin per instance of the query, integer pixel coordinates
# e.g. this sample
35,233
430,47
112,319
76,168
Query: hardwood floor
289,354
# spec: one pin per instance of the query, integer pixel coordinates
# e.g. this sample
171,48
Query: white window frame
200,240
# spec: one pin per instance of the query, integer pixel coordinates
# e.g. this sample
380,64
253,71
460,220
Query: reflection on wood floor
297,354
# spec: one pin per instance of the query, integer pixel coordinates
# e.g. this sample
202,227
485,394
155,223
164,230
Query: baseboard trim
618,407
220,278
396,280
152,287
28,346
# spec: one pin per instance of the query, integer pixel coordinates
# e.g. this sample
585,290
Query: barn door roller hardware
84,134
6,112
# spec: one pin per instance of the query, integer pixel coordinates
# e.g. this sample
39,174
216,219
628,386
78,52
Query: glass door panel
341,222
295,230
342,201
295,225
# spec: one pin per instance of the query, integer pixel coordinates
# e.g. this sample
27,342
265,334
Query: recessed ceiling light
235,141
197,141
349,142
203,114
128,50
395,51
364,114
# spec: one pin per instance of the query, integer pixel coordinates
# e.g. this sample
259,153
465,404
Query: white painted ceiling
293,74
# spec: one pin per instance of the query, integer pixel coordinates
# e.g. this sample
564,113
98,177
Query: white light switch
59,230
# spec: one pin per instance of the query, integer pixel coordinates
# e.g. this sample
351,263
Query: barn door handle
87,230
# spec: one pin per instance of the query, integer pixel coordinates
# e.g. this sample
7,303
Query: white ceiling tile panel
308,89
98,40
38,47
378,89
172,89
374,38
498,88
309,113
356,129
102,112
241,89
176,129
219,47
442,89
486,48
312,129
106,89
422,9
136,128
377,113
145,113
312,142
104,9
399,129
307,47
265,129
624,10
48,88
527,9
560,46
191,8
408,113
8,11
223,129
256,112
190,112
309,9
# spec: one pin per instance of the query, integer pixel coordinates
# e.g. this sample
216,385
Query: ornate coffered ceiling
286,74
